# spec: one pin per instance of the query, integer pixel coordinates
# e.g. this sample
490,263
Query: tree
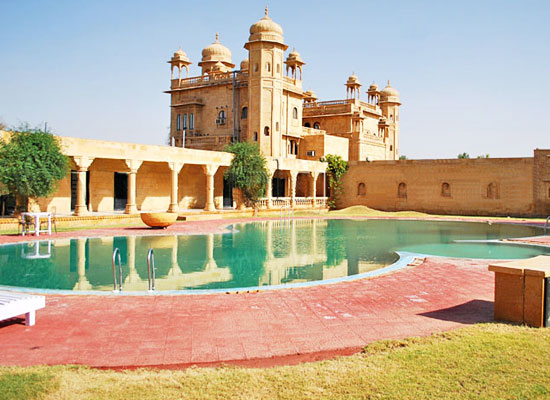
464,155
31,164
337,167
403,157
247,171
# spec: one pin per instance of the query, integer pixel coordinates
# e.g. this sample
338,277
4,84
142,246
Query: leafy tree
337,167
483,156
403,158
247,171
463,155
31,164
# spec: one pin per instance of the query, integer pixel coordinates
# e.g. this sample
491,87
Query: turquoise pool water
255,254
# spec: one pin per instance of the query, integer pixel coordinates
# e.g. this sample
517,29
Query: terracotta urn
159,219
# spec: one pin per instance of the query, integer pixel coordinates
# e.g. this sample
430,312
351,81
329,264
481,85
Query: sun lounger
13,304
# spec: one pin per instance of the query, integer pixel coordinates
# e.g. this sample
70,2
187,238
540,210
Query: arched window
445,190
307,125
256,67
221,118
268,67
266,131
255,136
361,189
295,113
402,190
316,125
244,113
492,191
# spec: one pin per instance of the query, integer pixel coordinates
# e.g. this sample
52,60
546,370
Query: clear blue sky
473,75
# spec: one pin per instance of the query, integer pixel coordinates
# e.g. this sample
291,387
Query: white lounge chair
13,304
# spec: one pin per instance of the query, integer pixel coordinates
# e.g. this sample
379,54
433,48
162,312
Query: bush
31,164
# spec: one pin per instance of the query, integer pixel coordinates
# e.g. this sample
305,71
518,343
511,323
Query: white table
37,216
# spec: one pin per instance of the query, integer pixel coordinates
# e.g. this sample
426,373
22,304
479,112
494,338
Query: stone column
175,168
82,283
133,166
210,171
313,188
269,189
293,175
82,165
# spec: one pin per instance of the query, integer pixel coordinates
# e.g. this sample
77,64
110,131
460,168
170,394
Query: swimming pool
258,254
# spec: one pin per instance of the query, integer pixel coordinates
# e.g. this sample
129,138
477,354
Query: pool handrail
546,224
116,257
151,270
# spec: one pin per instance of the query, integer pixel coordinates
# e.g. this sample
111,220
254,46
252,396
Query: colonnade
83,164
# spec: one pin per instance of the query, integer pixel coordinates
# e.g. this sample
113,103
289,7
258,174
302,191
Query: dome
244,65
216,52
311,93
353,80
266,29
390,94
373,87
180,55
294,58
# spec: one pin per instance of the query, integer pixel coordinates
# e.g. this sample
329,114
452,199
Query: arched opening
316,125
361,189
307,125
221,118
255,136
266,131
445,190
492,191
268,67
295,113
402,190
244,113
256,67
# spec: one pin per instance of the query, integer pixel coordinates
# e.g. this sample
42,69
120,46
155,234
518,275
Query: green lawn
487,361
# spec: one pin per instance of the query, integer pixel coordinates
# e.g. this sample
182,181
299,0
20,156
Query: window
307,125
255,136
244,113
492,191
277,126
178,122
278,68
402,190
361,189
391,147
266,131
184,121
255,67
221,118
445,190
316,125
295,113
191,121
549,192
268,67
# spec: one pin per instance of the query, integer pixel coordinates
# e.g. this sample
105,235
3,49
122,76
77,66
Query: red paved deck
262,329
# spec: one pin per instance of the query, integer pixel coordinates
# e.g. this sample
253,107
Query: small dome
311,93
390,94
216,52
353,80
294,57
218,66
266,28
244,65
373,87
180,55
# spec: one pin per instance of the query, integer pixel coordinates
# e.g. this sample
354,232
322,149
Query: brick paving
260,329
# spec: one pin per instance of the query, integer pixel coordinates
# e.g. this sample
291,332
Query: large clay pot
159,219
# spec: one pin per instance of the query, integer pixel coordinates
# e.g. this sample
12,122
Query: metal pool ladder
546,224
116,257
151,269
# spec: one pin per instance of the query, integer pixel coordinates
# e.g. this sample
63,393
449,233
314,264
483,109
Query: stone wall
498,186
541,184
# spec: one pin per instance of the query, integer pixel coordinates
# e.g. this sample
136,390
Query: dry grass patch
486,361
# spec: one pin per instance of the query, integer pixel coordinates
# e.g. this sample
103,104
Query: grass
487,361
